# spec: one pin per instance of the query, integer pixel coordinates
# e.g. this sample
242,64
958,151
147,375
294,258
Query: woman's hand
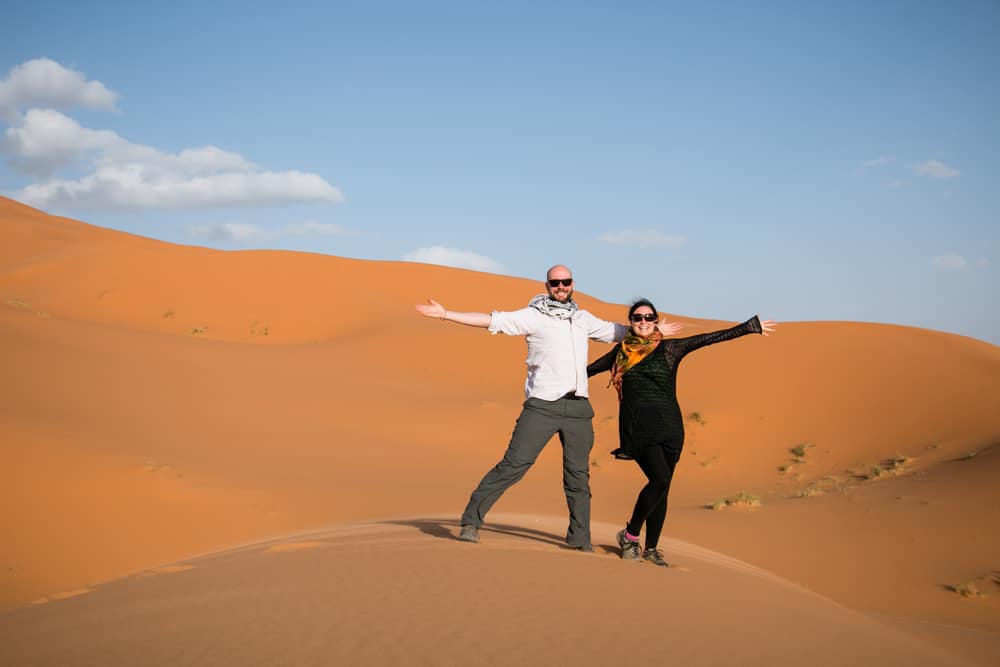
668,328
767,326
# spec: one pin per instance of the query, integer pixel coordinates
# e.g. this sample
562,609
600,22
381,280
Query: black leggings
658,463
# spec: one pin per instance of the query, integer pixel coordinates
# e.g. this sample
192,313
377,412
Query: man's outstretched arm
435,310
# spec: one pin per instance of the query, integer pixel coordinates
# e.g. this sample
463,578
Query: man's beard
569,296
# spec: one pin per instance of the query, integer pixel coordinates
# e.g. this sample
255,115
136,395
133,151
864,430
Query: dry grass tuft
696,418
875,472
799,450
894,465
968,590
741,499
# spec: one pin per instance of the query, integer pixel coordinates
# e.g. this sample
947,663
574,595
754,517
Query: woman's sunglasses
566,282
639,317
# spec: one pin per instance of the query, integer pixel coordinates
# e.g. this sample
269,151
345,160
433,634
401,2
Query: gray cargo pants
572,419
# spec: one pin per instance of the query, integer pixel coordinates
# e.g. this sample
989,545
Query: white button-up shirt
557,349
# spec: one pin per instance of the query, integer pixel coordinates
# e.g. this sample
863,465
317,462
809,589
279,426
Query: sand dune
406,592
162,401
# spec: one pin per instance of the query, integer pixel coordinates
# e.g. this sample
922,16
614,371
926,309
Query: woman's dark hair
642,302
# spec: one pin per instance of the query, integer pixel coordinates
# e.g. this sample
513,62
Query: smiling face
647,321
562,290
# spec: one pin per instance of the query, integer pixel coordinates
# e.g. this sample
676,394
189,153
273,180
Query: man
557,401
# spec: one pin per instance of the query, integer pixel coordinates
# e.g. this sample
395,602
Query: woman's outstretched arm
682,346
603,363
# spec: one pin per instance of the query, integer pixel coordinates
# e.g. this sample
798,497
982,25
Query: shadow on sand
447,529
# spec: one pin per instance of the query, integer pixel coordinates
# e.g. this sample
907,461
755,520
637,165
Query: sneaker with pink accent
630,549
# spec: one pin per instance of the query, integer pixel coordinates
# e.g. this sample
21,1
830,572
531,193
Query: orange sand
161,402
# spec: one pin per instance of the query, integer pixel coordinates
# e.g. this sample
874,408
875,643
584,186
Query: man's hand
432,309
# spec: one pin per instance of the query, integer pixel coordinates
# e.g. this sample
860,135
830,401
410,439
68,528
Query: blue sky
797,160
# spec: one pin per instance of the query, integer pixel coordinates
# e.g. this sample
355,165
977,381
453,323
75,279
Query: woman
650,427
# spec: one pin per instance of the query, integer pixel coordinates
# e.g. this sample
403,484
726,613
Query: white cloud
648,238
232,232
314,228
876,162
462,259
192,161
132,176
46,140
935,169
951,261
116,173
982,263
44,82
895,185
246,234
139,187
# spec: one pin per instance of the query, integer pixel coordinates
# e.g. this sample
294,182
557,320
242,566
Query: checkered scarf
546,305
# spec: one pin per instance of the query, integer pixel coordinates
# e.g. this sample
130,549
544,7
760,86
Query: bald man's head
559,283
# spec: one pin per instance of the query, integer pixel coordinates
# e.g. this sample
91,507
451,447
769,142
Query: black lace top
649,413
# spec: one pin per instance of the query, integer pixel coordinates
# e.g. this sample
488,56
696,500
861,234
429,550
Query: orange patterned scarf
633,350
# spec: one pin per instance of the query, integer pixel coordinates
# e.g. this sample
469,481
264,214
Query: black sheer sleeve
603,363
681,346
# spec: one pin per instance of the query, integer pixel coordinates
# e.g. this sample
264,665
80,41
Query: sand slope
406,592
162,401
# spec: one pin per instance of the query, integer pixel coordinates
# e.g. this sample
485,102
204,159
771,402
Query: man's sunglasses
566,282
639,317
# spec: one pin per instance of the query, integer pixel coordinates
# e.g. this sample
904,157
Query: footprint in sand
165,569
170,569
293,546
62,596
